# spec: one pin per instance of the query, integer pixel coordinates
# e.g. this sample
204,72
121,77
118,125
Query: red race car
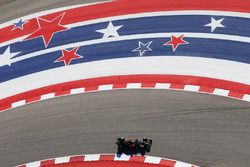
133,146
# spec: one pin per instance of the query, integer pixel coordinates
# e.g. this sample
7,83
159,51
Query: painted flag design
208,39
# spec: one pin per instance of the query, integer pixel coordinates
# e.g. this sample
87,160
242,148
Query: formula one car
133,146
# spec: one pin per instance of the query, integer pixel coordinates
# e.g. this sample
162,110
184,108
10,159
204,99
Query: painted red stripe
47,162
177,86
206,89
123,7
63,92
5,106
119,85
107,157
105,164
148,85
236,94
91,88
168,163
33,99
76,159
177,81
137,159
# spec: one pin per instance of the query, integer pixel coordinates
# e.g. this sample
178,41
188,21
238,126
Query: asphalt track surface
206,130
198,128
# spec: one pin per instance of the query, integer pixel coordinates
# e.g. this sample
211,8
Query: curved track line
186,83
104,158
219,69
131,37
155,14
124,7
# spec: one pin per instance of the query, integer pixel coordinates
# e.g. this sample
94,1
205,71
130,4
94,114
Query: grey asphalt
11,9
203,129
206,130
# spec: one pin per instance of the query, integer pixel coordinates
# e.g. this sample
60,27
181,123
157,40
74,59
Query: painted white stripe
246,98
192,88
221,92
77,90
211,68
92,157
123,157
47,96
153,160
133,85
105,87
131,37
43,13
19,103
182,164
62,160
162,85
33,164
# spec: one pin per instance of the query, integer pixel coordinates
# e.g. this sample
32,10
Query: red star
176,41
47,28
68,56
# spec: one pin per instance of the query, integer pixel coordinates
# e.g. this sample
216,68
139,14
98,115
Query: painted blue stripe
182,23
207,48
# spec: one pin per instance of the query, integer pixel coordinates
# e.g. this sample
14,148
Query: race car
133,146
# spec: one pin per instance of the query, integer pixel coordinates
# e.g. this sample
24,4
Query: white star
5,58
214,24
110,31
